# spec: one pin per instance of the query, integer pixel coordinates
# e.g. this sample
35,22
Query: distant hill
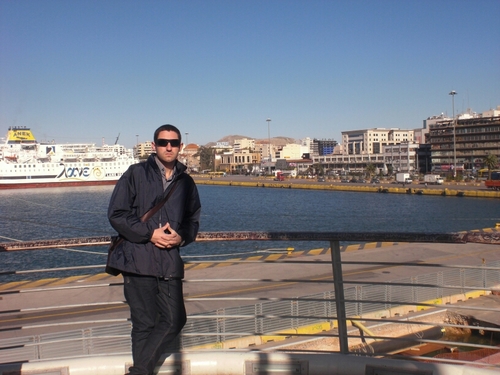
230,138
278,141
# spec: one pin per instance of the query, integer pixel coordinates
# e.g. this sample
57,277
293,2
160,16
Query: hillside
278,141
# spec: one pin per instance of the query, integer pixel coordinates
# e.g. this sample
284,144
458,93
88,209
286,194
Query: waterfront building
189,157
372,141
393,149
264,149
401,157
293,151
464,142
222,147
143,150
294,167
242,162
424,160
322,147
244,144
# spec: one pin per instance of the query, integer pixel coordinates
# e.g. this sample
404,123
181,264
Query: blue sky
83,71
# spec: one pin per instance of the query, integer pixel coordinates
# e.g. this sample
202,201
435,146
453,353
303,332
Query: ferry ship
26,163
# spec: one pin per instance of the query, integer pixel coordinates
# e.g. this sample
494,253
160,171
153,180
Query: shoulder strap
159,205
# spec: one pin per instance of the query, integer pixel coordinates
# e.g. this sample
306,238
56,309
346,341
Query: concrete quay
459,189
91,299
47,306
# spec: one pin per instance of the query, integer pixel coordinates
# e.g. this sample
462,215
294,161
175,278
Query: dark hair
169,128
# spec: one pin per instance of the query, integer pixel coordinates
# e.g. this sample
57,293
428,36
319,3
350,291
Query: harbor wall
451,191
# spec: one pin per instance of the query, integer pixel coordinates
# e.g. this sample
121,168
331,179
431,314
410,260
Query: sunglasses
164,142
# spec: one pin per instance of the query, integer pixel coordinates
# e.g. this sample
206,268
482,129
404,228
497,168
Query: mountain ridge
277,141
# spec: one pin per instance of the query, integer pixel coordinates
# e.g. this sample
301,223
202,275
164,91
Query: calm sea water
30,214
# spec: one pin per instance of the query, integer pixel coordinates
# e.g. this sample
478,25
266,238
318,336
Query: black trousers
158,314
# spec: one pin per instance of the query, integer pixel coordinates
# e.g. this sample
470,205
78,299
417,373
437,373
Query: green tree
319,169
390,170
490,162
206,155
371,169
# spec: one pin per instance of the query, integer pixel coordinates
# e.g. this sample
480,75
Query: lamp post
269,140
399,159
408,155
453,93
136,152
392,158
187,160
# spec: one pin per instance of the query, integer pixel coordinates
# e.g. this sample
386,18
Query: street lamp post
136,148
187,160
453,93
392,158
269,140
399,159
408,155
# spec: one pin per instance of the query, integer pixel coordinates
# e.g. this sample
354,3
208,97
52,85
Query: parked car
375,181
345,180
354,180
321,179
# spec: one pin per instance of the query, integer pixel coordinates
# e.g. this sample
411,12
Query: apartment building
323,146
267,151
143,150
461,144
244,144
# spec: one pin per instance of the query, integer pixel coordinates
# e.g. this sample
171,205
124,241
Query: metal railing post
338,285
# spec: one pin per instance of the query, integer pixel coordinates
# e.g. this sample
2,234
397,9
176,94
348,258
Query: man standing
148,257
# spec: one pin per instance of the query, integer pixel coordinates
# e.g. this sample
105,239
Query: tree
390,170
371,169
206,155
318,169
490,162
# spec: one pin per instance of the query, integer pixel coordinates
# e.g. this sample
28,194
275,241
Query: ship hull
36,185
41,175
25,163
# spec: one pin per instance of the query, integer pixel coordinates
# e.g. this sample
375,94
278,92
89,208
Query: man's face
166,152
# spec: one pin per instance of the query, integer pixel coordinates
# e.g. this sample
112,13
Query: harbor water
31,214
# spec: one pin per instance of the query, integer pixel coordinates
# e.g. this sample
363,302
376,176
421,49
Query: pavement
55,305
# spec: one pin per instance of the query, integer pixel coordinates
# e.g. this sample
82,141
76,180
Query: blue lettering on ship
75,172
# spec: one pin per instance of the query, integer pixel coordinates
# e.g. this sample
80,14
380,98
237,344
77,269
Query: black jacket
136,192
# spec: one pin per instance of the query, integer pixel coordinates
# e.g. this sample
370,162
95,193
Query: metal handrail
481,237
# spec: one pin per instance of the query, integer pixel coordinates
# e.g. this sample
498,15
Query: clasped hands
165,237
